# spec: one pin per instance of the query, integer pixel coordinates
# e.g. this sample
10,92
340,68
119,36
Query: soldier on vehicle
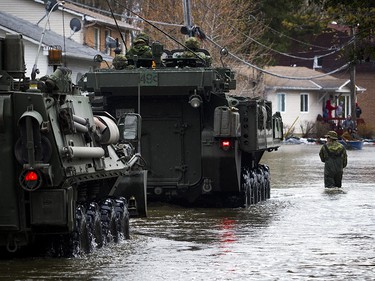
140,47
120,61
335,159
193,51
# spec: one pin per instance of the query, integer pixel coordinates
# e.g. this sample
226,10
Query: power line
289,37
233,55
276,74
336,49
119,15
298,57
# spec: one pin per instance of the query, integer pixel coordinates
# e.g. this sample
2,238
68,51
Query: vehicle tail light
225,144
30,179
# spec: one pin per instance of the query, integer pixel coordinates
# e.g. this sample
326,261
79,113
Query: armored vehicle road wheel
266,173
122,215
95,224
261,184
108,218
81,238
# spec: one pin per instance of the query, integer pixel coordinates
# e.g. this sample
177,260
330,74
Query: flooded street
301,233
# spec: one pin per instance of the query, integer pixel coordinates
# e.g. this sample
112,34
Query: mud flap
134,189
53,207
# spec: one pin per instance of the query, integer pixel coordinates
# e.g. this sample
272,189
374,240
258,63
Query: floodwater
301,233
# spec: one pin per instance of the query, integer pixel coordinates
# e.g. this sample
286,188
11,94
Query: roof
32,32
314,80
92,16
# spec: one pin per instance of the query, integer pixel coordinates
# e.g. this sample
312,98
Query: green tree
287,19
359,17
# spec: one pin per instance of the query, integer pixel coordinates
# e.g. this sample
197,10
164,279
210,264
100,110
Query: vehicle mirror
130,127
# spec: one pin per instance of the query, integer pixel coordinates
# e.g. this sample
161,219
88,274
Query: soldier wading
335,159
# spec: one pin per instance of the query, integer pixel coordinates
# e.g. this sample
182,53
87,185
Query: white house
60,19
36,24
76,57
300,102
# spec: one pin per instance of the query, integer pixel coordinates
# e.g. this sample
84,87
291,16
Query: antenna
187,14
35,69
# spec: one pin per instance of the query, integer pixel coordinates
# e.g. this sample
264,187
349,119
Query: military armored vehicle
202,145
68,176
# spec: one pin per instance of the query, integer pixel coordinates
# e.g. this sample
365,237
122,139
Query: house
91,28
301,101
76,57
79,32
96,28
326,48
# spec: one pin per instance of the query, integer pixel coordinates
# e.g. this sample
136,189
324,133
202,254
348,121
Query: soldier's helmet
142,38
332,135
119,61
192,43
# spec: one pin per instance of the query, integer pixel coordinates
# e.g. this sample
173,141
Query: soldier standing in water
335,159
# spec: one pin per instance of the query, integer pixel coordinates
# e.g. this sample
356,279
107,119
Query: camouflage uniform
335,159
193,44
119,62
140,47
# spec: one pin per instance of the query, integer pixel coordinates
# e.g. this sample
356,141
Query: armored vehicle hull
202,145
68,177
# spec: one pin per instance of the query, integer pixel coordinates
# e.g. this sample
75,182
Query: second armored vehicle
202,145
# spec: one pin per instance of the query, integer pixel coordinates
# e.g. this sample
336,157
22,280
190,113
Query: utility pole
353,94
187,15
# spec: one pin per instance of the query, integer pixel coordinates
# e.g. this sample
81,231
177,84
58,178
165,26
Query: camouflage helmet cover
119,61
331,135
192,43
142,38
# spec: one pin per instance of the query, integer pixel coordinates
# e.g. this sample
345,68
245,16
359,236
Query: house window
281,102
107,33
304,103
96,39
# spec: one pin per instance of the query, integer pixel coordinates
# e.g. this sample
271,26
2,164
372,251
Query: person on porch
348,123
330,108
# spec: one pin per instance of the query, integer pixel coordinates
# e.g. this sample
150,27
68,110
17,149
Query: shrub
365,131
321,129
307,129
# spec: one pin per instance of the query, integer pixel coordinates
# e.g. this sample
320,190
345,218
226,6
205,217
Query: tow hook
12,245
207,186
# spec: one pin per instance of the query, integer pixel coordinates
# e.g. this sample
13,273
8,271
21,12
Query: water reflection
227,236
302,233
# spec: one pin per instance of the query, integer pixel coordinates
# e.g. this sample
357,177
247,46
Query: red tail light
225,144
30,179
31,176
